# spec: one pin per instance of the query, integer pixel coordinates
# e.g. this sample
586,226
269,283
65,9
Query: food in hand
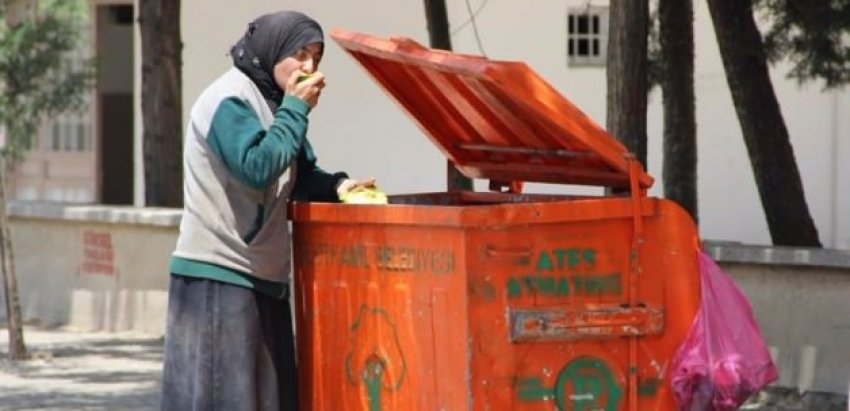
364,195
303,77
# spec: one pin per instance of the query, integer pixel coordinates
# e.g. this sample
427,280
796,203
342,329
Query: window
587,36
71,131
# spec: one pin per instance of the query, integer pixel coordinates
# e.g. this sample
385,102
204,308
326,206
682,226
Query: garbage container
493,300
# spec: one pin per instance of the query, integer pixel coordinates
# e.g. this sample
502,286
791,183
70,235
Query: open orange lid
496,120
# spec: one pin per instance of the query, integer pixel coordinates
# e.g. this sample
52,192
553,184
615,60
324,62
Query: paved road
82,371
120,371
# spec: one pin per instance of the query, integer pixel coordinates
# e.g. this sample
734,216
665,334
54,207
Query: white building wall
358,129
841,171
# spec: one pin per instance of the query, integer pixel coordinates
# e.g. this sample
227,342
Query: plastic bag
363,195
724,359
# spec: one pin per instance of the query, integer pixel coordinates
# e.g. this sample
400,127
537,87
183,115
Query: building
87,156
358,128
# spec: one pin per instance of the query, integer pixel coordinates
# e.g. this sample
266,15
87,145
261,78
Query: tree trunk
763,126
627,74
14,321
676,31
440,38
159,24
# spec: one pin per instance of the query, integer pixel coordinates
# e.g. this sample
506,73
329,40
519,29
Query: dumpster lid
494,119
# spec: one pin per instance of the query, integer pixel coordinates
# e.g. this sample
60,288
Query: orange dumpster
493,300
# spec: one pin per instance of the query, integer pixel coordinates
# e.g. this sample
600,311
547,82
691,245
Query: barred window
72,131
587,36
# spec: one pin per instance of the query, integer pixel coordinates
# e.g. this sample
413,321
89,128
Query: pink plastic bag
723,360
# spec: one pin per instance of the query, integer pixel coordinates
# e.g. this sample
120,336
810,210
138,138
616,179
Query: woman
229,341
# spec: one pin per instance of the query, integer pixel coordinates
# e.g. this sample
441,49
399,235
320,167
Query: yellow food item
362,195
303,77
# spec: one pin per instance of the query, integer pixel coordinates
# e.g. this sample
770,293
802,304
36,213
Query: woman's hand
309,88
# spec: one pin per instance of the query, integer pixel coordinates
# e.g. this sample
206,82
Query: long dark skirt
227,348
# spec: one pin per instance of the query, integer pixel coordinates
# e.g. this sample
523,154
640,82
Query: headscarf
269,39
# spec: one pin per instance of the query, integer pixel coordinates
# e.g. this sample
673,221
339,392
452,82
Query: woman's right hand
308,89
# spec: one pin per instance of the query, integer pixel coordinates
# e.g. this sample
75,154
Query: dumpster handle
634,272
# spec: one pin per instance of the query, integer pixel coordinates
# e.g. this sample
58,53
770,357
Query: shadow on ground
82,371
105,401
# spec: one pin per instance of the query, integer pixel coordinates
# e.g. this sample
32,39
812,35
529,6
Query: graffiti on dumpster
562,272
435,261
584,384
562,259
383,257
375,360
564,286
327,255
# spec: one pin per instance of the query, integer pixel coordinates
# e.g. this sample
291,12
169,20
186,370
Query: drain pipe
834,171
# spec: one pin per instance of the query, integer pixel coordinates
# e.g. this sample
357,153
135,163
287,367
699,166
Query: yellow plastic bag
362,195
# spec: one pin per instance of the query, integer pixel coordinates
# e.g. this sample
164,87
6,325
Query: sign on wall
98,254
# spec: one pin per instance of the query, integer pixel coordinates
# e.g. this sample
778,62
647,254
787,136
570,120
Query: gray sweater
241,165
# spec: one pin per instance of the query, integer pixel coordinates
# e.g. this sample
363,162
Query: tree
765,134
39,81
162,113
676,34
627,74
440,38
812,35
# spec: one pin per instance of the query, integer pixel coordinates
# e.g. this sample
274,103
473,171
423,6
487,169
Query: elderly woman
229,341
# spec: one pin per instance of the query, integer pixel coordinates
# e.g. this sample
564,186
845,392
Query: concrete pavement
73,370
